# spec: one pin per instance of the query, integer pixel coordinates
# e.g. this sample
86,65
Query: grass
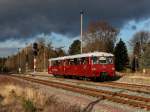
1,98
16,98
29,106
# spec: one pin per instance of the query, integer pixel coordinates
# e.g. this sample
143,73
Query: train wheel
103,76
54,75
84,78
95,79
101,79
77,77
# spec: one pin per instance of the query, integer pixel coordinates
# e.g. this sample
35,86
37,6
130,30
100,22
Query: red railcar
92,65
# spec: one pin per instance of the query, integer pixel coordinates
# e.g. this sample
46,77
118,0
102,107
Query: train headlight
93,69
113,68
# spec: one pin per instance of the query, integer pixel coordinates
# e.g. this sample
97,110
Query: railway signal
35,49
35,53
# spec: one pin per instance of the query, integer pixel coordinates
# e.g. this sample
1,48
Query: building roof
83,55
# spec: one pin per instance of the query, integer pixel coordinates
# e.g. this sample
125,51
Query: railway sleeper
95,94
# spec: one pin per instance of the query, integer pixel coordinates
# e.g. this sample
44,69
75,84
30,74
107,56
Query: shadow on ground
113,78
91,105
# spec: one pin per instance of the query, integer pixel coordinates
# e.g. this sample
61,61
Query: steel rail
134,101
130,87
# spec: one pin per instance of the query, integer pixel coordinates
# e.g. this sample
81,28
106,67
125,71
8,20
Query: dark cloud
26,18
134,27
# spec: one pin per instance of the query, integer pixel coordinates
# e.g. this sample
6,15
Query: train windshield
102,60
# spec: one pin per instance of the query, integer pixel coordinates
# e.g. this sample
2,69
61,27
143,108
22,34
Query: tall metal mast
81,33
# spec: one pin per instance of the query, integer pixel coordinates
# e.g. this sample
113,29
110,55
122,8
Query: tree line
100,36
103,37
24,58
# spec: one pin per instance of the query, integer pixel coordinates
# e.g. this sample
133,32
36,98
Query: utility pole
81,27
19,68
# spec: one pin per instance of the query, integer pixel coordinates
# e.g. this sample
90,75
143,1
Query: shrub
1,98
29,106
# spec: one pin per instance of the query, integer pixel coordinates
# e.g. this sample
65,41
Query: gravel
83,100
68,81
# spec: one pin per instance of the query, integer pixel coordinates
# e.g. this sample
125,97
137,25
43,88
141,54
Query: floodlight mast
81,33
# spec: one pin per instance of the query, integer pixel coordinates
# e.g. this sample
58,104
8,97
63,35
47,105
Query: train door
77,67
53,67
67,67
85,66
61,67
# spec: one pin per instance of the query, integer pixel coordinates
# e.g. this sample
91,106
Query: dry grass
21,98
148,71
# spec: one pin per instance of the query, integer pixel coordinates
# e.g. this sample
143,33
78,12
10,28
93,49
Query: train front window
109,60
102,60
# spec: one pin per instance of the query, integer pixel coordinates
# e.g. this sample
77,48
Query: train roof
83,55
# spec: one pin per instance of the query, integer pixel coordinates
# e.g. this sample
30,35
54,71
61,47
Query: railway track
130,87
118,97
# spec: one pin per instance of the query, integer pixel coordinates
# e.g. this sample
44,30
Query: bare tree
140,43
45,51
100,37
140,39
141,36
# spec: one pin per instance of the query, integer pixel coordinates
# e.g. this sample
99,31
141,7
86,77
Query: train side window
61,63
95,60
71,62
57,63
80,61
76,61
84,60
67,62
52,63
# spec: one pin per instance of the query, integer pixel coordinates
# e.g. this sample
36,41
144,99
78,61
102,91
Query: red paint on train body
88,65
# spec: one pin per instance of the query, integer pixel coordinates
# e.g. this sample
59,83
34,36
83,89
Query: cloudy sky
22,21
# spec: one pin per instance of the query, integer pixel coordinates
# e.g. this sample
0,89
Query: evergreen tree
146,56
60,52
121,56
75,47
